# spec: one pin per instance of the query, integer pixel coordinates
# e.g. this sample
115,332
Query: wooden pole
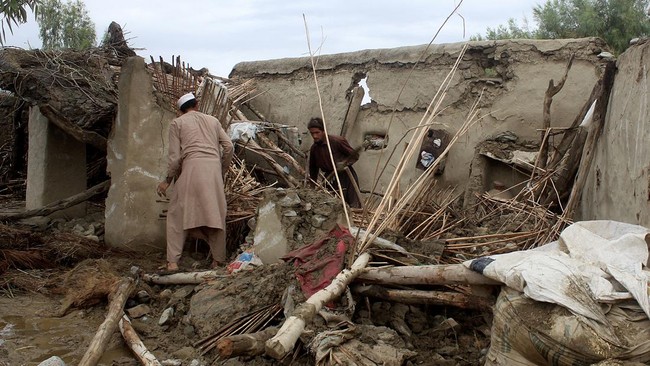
289,180
60,204
275,149
117,300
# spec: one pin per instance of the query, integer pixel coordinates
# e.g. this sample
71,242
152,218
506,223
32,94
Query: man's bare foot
216,264
168,268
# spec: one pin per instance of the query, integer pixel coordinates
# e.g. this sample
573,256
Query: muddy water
29,334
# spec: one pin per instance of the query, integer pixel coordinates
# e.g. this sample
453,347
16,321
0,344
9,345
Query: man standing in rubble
197,165
344,156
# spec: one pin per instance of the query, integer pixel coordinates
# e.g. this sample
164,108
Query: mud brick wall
511,76
618,185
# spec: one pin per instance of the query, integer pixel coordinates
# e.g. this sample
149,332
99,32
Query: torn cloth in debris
360,345
318,263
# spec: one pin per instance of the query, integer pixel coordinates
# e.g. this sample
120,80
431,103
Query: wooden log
418,297
117,299
183,278
60,204
447,274
283,342
135,344
251,344
595,130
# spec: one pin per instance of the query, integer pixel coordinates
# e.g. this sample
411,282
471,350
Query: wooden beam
79,134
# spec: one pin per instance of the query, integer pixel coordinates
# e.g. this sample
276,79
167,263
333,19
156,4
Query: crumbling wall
511,76
136,162
618,185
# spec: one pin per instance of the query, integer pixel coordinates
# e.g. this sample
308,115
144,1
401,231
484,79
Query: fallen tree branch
548,99
419,297
283,342
60,204
251,344
184,278
448,274
135,344
99,342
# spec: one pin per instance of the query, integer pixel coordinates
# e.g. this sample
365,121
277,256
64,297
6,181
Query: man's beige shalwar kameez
198,201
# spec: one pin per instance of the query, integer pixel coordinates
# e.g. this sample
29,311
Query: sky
217,34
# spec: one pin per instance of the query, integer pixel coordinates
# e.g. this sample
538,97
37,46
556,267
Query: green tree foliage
65,25
14,12
510,31
616,21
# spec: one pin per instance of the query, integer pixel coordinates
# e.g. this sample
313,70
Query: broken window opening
366,96
375,141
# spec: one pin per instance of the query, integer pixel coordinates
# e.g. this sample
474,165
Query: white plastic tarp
594,261
242,131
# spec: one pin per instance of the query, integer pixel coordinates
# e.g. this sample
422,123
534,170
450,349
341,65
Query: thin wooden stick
320,105
548,99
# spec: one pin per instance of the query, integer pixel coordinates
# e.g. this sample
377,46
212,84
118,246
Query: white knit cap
184,98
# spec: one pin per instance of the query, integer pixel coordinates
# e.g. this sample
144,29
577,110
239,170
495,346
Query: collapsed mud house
509,79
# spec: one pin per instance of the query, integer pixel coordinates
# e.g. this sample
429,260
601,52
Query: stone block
270,239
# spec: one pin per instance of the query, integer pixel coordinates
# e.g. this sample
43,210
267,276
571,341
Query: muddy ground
31,330
57,309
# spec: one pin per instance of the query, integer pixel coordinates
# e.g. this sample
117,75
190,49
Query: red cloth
319,262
